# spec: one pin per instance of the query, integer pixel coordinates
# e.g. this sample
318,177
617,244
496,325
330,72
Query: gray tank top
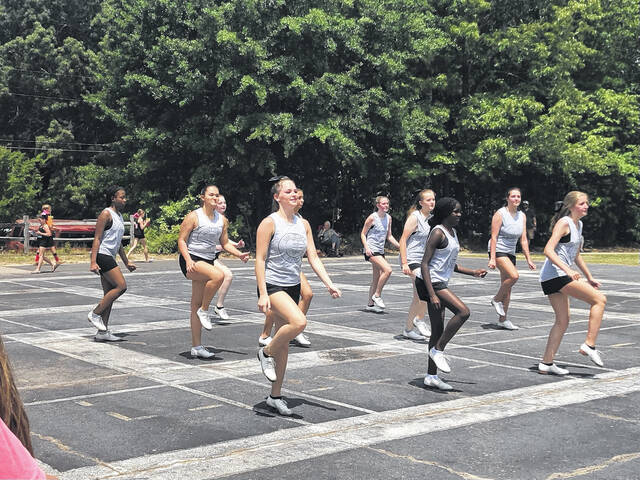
417,241
567,251
510,231
203,239
444,259
111,239
286,249
377,234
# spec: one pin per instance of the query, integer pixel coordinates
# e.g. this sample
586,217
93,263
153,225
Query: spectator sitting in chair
329,240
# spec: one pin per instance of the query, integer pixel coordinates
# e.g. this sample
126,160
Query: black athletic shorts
502,254
195,258
413,266
215,257
555,284
46,242
423,293
367,257
137,233
105,262
293,291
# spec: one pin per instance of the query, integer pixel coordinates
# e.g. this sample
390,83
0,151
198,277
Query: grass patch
606,258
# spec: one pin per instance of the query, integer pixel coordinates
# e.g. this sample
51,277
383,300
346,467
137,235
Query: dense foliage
350,98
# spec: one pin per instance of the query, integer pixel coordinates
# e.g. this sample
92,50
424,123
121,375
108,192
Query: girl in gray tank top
377,229
106,243
412,244
281,241
438,263
507,227
200,232
560,281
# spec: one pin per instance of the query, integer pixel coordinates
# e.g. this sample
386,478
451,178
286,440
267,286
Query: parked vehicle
74,230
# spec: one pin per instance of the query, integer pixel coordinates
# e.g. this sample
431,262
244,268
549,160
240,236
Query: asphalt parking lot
142,408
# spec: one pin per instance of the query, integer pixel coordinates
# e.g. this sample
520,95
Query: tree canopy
350,98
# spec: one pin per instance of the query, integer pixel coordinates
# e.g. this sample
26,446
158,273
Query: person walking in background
375,231
281,241
559,282
16,451
107,242
532,222
507,227
412,244
47,210
432,283
200,232
45,242
139,222
306,295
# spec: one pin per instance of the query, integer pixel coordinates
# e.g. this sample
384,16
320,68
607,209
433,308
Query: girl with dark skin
438,263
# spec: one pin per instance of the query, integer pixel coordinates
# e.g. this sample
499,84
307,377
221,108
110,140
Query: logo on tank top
292,246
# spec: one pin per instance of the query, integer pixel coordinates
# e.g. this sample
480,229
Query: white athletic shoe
204,318
378,301
592,353
412,335
507,325
221,312
263,342
421,325
268,366
499,307
440,360
552,369
106,336
96,321
279,404
373,308
201,352
434,381
302,340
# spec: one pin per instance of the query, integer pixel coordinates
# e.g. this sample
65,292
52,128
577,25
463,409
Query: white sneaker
412,335
434,381
263,342
378,301
106,336
373,308
499,307
439,359
201,352
507,325
302,340
552,369
204,318
421,325
592,353
221,312
279,404
268,366
96,321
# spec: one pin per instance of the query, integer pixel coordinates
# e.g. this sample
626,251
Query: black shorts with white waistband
423,293
195,258
376,254
293,291
554,285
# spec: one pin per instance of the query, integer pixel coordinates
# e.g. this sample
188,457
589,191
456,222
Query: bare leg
560,303
224,288
143,241
374,280
436,318
460,315
508,277
113,286
197,289
213,278
306,294
588,294
133,246
384,273
417,309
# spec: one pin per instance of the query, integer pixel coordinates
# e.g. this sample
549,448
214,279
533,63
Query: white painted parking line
312,441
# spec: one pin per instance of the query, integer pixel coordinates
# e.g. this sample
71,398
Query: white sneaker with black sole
412,335
268,365
378,302
106,336
221,312
434,382
302,340
421,325
96,321
279,404
552,369
203,315
201,352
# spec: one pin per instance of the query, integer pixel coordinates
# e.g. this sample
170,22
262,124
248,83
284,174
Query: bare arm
583,266
130,265
363,234
496,224
188,224
316,264
478,272
101,223
410,226
229,246
263,237
436,240
524,243
390,238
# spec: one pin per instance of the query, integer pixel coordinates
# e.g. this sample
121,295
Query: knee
464,314
307,296
299,323
601,299
121,288
228,276
512,279
386,271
